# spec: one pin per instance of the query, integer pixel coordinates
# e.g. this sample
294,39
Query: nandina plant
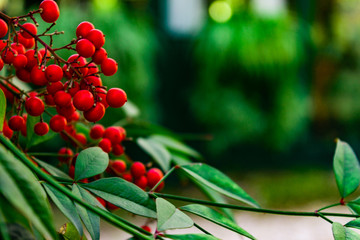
94,175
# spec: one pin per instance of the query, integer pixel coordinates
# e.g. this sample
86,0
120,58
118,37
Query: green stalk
329,206
251,209
123,224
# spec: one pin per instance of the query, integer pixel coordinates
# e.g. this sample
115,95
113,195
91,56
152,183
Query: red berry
41,128
85,48
72,171
154,175
95,113
99,56
109,67
90,80
31,30
111,206
24,129
116,97
102,201
16,123
83,100
23,75
53,73
73,89
18,47
34,106
54,87
78,62
141,182
28,43
146,228
97,131
50,11
96,37
105,145
81,138
7,131
113,134
128,177
62,99
67,111
101,93
8,55
49,100
74,117
118,166
137,169
58,123
3,28
32,61
84,28
117,149
92,69
37,76
20,61
1,64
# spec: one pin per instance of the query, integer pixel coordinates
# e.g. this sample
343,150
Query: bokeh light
220,11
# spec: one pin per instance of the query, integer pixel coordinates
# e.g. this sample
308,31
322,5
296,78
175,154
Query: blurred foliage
249,87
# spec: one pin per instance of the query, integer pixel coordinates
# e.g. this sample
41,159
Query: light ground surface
262,226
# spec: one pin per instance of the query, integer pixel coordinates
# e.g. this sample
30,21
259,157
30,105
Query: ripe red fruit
85,48
102,201
28,43
53,73
137,169
31,30
117,149
37,76
1,64
62,99
92,69
18,47
83,100
113,134
20,61
23,75
58,123
3,28
34,106
79,62
24,129
99,56
146,228
118,166
74,117
141,182
116,97
96,37
50,11
16,123
95,113
154,175
49,100
111,206
73,89
8,55
128,177
7,131
81,138
41,128
32,60
109,67
72,171
97,131
54,87
105,145
101,93
83,29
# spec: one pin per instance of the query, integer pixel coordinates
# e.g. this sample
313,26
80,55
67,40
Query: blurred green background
252,84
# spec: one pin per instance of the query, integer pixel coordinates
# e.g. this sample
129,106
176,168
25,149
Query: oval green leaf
22,189
346,169
2,109
65,205
52,170
342,233
90,162
175,145
169,217
157,151
192,237
215,217
124,195
218,181
90,219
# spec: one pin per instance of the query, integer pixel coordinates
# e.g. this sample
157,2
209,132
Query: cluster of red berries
110,138
72,85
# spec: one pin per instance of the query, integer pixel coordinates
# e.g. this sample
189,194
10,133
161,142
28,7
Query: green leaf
157,151
33,139
70,232
346,169
179,160
2,109
53,170
218,181
16,231
342,233
65,205
175,145
22,189
192,237
90,219
215,217
90,162
169,217
124,195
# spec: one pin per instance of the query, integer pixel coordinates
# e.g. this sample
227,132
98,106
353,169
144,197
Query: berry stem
162,179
